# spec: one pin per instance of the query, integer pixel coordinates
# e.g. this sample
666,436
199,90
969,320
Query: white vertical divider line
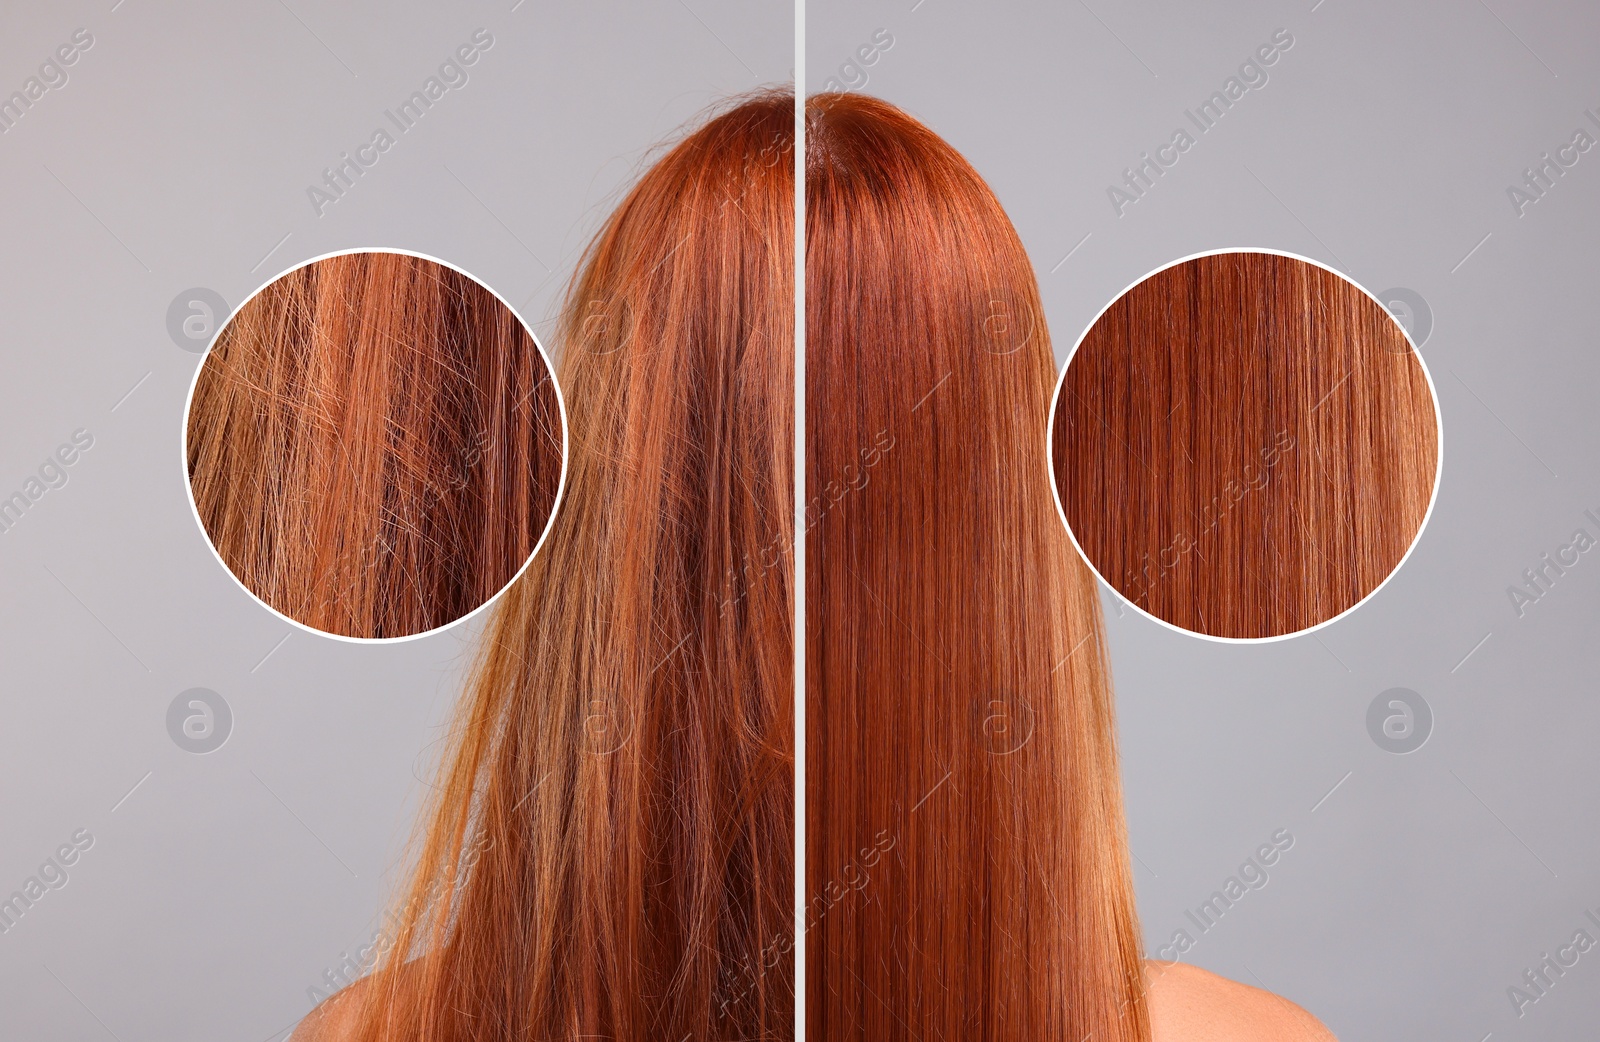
799,540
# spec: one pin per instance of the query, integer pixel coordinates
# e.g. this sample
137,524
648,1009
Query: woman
611,852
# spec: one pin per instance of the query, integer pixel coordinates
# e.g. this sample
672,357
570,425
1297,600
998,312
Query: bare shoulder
336,1017
1188,1004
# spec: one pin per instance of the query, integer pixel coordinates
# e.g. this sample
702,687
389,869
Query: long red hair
610,850
967,864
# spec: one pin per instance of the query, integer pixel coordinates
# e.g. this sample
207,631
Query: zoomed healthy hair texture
609,851
1245,445
374,445
967,866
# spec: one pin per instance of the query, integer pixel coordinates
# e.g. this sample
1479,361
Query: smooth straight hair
609,852
967,864
374,445
1245,444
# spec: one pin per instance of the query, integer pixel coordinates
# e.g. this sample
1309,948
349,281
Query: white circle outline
555,506
1438,466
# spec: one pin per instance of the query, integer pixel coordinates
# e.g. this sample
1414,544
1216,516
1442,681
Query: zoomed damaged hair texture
374,445
1245,445
967,865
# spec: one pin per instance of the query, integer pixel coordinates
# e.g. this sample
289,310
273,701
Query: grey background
1425,884
220,886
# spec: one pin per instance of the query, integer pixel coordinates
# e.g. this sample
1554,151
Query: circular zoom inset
1245,445
375,444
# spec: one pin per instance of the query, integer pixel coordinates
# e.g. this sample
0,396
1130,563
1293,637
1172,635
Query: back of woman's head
611,850
966,862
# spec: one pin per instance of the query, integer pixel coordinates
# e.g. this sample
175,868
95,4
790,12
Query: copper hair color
967,863
609,853
1245,444
374,445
